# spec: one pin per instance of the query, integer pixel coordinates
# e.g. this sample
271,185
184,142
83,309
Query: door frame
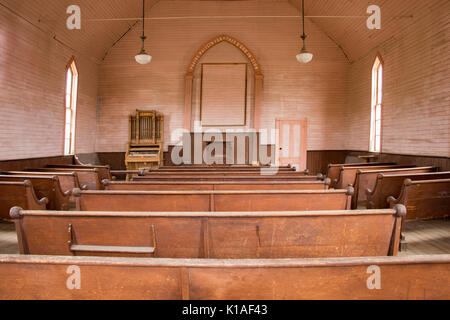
303,141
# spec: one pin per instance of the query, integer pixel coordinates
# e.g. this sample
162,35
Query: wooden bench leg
403,244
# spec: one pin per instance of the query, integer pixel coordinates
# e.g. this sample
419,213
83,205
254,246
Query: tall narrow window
70,108
375,123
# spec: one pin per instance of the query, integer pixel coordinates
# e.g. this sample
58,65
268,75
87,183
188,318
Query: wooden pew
391,185
334,169
347,175
401,278
269,172
213,169
88,177
367,178
45,187
226,235
219,166
19,194
68,180
248,178
171,201
424,199
103,171
216,185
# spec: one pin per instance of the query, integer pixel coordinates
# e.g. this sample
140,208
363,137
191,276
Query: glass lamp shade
304,57
143,58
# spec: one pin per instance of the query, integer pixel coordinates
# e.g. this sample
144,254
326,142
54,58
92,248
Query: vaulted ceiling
345,21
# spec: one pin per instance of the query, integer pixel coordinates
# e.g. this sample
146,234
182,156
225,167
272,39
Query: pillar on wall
258,99
188,102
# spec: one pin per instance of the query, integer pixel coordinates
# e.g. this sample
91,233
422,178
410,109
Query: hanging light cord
143,37
303,20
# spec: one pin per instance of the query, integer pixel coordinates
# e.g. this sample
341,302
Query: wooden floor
423,237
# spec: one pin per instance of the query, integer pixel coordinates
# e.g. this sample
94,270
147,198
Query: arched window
70,108
375,122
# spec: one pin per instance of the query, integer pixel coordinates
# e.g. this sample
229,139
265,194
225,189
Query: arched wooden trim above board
193,64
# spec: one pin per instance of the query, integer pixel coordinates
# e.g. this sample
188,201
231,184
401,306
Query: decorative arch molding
216,41
193,64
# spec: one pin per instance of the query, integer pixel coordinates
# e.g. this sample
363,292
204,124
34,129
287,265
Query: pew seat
19,194
402,278
215,235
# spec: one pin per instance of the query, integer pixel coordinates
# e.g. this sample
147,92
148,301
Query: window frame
376,101
72,66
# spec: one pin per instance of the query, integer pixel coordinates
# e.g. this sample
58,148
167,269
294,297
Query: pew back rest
171,201
67,180
334,169
236,177
44,187
367,179
103,171
347,175
18,194
216,185
425,199
227,235
87,177
391,185
199,279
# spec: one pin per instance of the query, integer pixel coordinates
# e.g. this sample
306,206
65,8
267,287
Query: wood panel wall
416,113
32,89
20,164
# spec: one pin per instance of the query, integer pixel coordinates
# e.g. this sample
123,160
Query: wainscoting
17,165
317,160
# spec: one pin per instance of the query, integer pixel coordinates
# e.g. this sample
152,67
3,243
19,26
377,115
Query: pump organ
146,140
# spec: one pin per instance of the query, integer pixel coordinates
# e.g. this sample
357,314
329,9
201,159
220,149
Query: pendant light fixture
143,57
304,56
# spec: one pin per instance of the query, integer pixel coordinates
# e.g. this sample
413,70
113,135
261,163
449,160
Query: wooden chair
226,235
391,185
19,194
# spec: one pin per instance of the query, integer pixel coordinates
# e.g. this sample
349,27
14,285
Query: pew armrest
44,200
84,187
